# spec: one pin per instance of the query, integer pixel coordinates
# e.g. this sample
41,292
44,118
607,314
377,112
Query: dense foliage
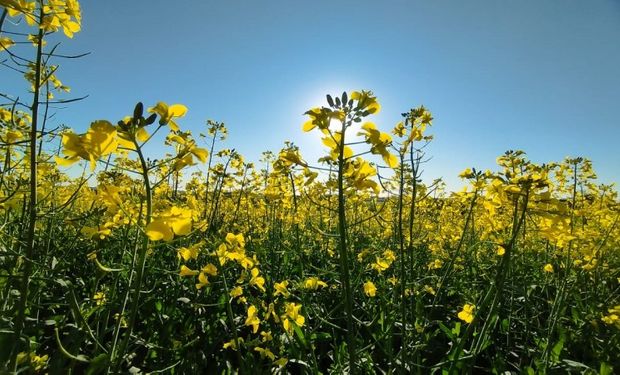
197,261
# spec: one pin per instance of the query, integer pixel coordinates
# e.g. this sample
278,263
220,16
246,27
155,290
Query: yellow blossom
202,281
232,344
210,269
257,280
548,268
500,250
370,289
187,253
314,283
99,298
252,319
292,315
281,289
437,263
467,314
266,336
236,292
99,140
186,271
265,353
174,221
168,113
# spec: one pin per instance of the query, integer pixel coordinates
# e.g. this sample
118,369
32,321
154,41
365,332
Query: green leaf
557,350
446,330
98,364
456,331
320,336
505,325
605,369
300,336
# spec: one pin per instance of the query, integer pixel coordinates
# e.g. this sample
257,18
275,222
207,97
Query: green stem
344,255
231,321
137,282
32,204
403,276
204,213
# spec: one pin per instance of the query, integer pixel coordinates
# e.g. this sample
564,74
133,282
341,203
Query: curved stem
136,285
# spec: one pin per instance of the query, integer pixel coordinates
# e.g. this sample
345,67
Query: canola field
114,260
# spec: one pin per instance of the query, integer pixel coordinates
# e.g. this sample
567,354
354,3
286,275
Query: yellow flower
467,314
266,336
168,113
186,271
292,313
500,250
389,255
233,343
235,240
210,269
5,43
437,263
379,142
548,268
358,172
187,253
256,280
313,283
271,313
281,362
613,318
96,232
99,298
110,195
202,281
366,101
170,222
318,117
122,318
186,150
466,173
290,156
252,319
265,353
370,289
362,255
12,136
236,292
429,289
281,289
333,142
37,362
380,264
99,140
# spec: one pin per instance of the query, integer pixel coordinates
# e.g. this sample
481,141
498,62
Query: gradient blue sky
542,76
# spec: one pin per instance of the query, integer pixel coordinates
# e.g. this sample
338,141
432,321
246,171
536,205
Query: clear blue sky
542,76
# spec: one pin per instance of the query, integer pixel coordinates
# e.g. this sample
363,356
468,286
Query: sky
541,76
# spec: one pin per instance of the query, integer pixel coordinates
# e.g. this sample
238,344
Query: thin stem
32,204
137,284
344,256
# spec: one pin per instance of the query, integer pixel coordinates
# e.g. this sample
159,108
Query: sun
311,144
